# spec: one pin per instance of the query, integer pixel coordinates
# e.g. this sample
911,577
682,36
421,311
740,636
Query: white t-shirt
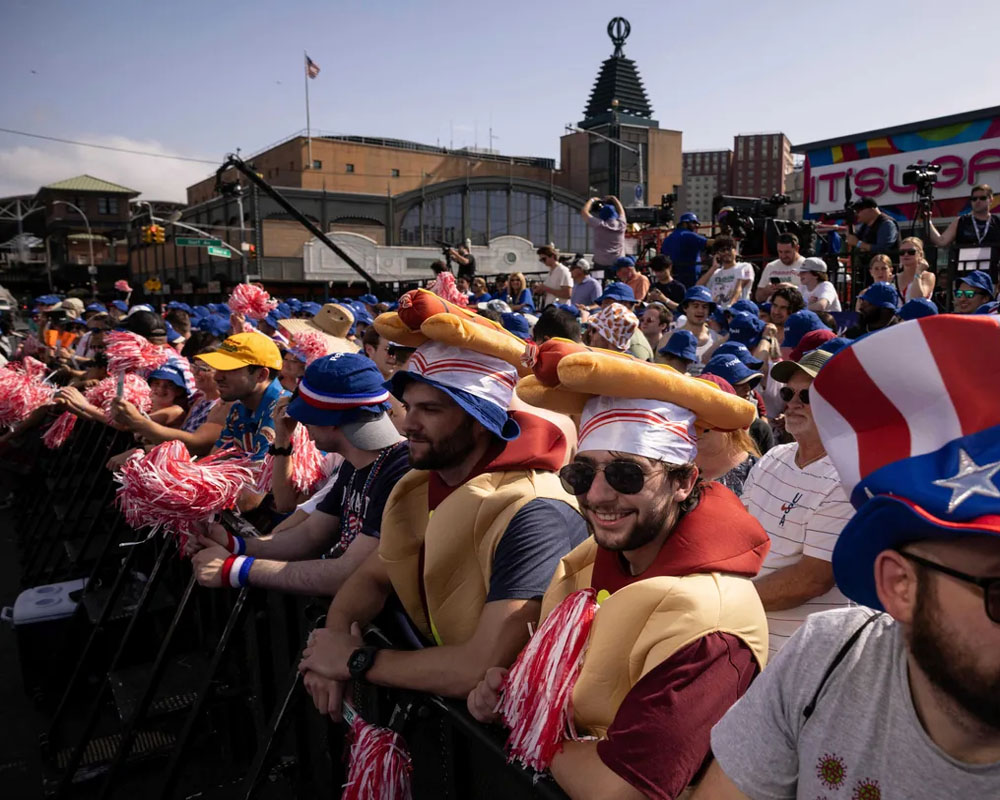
720,285
823,291
558,278
803,511
785,273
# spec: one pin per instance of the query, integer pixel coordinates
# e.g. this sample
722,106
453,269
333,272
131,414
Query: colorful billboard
968,152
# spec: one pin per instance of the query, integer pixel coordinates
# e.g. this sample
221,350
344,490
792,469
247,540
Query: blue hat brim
886,522
483,411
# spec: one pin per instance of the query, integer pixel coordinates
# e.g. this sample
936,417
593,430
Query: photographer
606,219
465,260
877,232
683,247
978,229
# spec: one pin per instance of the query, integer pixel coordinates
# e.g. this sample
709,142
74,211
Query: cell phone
775,280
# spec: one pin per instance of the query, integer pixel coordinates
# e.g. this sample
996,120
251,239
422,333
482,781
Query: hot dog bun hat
627,405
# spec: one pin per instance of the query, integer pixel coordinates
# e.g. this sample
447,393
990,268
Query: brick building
761,162
706,174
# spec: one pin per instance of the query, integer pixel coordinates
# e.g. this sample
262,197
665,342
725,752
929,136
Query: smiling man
679,632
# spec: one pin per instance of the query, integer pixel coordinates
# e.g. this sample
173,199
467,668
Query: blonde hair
740,441
519,276
479,283
881,258
915,241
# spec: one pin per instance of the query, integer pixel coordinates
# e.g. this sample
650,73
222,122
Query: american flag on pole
312,68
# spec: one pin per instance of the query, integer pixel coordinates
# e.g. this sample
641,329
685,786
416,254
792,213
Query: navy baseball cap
98,307
312,308
619,292
699,294
740,351
748,306
689,216
368,299
215,324
121,305
172,335
746,329
835,345
916,308
173,373
569,307
335,390
48,300
201,311
624,261
977,279
731,369
516,324
799,324
681,344
881,295
176,304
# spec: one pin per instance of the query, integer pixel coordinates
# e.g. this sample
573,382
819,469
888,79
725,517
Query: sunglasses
977,197
625,477
990,586
910,252
960,293
787,395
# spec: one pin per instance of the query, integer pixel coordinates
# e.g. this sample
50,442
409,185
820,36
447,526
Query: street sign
638,192
184,241
221,252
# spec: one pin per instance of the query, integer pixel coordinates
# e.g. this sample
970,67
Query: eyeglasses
990,586
960,293
977,197
623,476
787,394
910,252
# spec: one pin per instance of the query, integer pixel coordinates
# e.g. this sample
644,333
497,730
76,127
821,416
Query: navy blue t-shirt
684,249
538,535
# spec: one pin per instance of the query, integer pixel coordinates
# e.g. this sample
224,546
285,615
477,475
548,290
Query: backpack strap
844,650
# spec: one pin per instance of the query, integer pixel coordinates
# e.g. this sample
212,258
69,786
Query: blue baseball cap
173,373
977,279
881,295
731,369
172,335
368,299
121,305
220,308
516,324
179,306
624,261
917,308
608,212
765,307
200,311
569,307
699,294
835,345
681,344
294,304
216,324
719,316
799,324
311,308
98,307
689,216
48,300
746,329
748,306
619,292
741,351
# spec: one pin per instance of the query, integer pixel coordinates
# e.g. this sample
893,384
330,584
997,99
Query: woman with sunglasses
517,294
914,279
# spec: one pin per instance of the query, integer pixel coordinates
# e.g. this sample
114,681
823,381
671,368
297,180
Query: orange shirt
640,285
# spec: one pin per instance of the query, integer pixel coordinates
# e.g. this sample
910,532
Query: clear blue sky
201,78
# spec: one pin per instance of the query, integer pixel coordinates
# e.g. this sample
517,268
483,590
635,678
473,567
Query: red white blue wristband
236,545
236,571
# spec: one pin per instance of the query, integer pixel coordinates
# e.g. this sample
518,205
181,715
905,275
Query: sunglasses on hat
625,477
787,394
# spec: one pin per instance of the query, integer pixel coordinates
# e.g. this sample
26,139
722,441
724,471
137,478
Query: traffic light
147,235
252,251
159,234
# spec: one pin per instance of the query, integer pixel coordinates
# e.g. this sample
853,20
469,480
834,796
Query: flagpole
305,75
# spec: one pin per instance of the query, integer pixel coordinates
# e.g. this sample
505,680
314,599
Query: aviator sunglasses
625,477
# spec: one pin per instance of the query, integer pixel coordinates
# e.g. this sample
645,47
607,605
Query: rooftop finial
618,30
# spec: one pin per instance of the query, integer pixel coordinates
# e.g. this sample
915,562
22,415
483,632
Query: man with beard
679,632
469,539
903,703
876,309
784,270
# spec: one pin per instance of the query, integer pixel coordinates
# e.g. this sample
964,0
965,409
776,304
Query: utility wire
106,147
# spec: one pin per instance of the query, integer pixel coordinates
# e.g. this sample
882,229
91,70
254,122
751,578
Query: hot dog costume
670,649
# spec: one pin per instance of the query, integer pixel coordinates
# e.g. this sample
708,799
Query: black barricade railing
173,690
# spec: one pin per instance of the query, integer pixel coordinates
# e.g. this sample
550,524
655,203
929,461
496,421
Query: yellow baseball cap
244,350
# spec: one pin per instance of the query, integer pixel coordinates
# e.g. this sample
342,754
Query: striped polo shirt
803,510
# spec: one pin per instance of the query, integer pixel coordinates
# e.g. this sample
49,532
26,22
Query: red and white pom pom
122,286
58,432
135,390
307,465
31,346
537,698
251,301
129,352
380,764
444,287
310,345
22,390
165,489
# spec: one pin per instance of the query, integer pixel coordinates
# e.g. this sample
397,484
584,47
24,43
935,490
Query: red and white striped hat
650,428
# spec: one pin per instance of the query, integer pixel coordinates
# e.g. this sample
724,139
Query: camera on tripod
923,177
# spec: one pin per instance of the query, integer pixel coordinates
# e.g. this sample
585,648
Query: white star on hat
971,479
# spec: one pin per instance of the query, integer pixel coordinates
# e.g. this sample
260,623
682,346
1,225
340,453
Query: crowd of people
773,525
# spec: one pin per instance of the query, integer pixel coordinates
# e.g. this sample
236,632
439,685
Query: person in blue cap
516,324
876,309
617,293
798,325
697,307
626,272
117,309
741,351
680,351
684,246
342,402
607,223
973,290
897,695
916,309
746,329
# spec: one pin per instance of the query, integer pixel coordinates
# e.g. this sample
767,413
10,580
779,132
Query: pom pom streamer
129,352
537,699
380,764
307,465
309,346
22,390
251,301
122,286
165,490
135,390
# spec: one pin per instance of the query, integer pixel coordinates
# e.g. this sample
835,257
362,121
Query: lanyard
986,228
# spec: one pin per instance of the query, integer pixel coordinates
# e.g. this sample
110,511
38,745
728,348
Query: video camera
736,215
923,177
654,215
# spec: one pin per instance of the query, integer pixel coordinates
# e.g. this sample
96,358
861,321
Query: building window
394,173
107,205
453,230
317,164
348,168
538,212
477,217
498,213
519,214
432,232
409,228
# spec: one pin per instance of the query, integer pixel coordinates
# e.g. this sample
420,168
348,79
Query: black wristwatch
279,451
361,661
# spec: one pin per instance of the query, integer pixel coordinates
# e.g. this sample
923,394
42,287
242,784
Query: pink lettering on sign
832,178
983,161
893,186
869,182
952,171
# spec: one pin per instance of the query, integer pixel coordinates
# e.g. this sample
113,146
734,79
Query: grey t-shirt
862,742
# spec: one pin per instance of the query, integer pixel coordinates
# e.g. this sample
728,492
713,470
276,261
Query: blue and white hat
482,385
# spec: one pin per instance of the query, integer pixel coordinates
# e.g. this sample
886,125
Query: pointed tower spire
618,85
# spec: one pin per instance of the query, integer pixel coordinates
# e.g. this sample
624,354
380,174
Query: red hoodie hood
719,535
541,446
